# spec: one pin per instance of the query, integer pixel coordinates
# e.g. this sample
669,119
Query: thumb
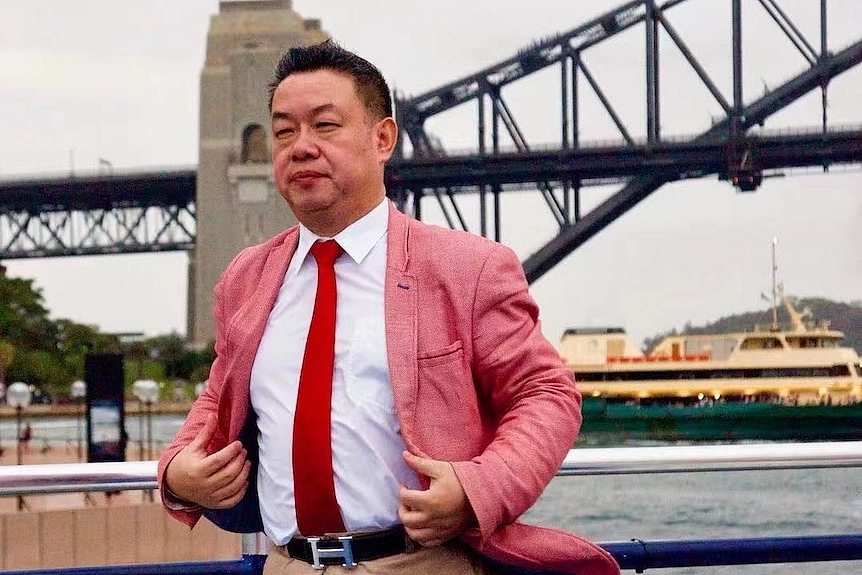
428,467
202,439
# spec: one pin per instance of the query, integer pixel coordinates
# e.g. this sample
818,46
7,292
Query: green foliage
42,368
23,317
177,359
844,317
40,351
7,354
50,353
135,369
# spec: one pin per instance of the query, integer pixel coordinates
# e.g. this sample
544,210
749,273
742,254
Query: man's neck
329,225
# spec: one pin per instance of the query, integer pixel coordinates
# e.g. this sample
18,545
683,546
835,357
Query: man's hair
328,55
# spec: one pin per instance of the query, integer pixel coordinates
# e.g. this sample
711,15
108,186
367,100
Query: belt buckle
344,552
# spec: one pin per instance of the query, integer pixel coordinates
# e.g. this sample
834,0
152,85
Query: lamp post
18,396
147,393
78,392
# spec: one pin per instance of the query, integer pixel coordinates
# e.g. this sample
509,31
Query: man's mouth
306,177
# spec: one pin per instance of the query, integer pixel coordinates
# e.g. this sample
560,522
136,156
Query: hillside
845,317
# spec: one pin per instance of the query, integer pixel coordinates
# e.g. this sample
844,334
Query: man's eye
284,132
326,125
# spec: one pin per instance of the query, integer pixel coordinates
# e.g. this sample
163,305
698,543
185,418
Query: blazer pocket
447,406
441,356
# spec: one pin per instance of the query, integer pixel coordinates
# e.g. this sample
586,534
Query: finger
422,465
229,472
414,519
413,498
237,484
425,537
229,488
214,462
205,434
233,499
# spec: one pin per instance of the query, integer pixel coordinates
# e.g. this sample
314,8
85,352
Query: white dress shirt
366,438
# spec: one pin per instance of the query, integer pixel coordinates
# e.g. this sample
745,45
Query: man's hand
213,481
439,514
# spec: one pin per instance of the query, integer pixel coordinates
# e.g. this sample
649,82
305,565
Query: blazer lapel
248,328
400,303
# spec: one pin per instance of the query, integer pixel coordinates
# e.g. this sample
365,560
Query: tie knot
326,252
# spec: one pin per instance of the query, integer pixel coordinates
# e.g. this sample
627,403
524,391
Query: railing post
255,544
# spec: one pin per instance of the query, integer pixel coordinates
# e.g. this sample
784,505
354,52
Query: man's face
328,153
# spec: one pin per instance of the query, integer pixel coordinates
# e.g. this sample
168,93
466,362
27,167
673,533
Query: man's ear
385,134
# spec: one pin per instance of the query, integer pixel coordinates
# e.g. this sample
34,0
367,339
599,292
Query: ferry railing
21,480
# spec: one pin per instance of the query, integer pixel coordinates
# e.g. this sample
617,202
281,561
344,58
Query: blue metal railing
638,555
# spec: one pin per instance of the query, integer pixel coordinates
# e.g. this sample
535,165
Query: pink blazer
474,380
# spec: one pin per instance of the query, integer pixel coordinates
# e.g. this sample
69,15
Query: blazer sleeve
531,395
206,403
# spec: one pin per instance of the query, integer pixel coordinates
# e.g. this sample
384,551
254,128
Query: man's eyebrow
281,116
324,108
276,115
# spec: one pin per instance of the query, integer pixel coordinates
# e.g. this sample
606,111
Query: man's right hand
213,481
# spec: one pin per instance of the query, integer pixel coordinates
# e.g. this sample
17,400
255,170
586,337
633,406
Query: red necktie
313,480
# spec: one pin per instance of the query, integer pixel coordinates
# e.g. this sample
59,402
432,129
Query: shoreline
76,410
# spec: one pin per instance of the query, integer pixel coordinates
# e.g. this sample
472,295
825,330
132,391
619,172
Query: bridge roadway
36,214
674,160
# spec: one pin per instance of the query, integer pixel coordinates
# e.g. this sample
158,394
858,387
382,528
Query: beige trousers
449,559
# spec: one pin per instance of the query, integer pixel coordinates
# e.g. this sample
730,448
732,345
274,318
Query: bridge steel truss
155,211
97,214
726,149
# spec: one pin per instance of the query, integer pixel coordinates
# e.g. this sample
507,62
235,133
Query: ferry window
839,370
761,343
811,342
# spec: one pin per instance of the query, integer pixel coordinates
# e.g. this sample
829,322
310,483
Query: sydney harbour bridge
154,211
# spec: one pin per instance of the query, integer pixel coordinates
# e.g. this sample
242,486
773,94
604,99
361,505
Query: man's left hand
440,513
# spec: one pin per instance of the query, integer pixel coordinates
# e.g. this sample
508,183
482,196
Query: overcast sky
91,79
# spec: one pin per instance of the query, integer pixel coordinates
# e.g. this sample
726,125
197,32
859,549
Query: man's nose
305,145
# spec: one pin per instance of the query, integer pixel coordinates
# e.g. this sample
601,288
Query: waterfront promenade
38,454
132,407
44,448
74,529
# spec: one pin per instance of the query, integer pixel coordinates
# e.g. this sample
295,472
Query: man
376,378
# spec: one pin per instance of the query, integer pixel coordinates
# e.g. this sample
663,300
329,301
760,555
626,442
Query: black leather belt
349,549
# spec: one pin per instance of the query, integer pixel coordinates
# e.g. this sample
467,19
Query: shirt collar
356,240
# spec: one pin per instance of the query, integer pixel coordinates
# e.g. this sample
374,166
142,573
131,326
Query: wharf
73,410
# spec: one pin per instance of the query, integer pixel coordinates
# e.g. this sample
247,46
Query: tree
7,355
23,318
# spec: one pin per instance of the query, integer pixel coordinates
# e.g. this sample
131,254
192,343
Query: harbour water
648,507
711,506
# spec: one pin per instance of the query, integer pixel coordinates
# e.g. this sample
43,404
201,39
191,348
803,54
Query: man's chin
310,200
311,207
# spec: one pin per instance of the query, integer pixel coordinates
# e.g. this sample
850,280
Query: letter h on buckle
345,552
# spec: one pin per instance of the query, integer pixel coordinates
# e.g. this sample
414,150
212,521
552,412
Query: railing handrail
90,477
637,554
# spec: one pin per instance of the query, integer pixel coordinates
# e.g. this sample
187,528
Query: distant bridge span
154,210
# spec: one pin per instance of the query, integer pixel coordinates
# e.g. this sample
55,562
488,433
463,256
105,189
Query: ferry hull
606,423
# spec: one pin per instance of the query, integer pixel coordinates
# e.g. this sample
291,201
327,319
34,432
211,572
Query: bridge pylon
237,203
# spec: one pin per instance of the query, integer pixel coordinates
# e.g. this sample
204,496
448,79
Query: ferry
767,384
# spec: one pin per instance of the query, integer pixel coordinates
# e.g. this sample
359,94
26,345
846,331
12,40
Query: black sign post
106,418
